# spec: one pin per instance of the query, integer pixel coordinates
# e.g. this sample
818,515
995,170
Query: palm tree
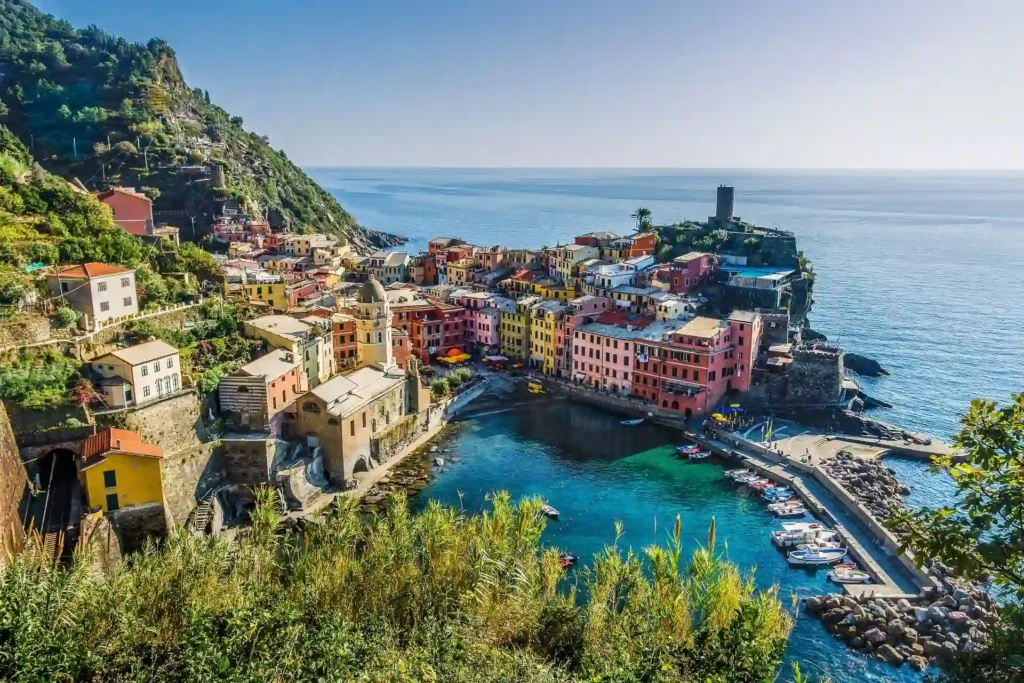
641,216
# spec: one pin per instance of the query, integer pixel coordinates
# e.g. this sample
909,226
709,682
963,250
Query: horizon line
889,169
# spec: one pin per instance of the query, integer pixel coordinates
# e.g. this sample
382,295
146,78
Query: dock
892,578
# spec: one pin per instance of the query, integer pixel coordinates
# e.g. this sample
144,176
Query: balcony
677,388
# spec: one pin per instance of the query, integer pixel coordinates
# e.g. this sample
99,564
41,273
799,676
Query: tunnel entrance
53,507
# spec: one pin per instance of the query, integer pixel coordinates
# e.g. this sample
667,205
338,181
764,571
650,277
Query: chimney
288,357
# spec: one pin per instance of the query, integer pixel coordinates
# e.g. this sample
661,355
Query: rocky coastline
955,618
414,473
919,633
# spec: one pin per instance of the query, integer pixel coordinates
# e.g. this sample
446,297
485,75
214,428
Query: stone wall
815,378
12,487
249,460
106,340
775,250
135,524
98,543
188,476
26,328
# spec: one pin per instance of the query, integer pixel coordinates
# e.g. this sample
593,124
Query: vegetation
438,596
109,111
642,217
982,534
450,383
214,347
38,378
46,221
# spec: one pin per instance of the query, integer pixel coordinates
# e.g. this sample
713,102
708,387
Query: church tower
373,326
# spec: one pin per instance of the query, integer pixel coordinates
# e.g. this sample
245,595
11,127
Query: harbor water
597,472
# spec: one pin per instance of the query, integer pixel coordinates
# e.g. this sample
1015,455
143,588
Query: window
104,305
145,370
112,502
175,378
64,287
352,428
101,287
243,390
127,301
364,419
109,479
156,366
145,390
126,282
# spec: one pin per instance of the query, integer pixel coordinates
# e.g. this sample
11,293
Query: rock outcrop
864,366
921,633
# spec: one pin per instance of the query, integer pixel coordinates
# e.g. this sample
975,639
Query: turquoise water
597,472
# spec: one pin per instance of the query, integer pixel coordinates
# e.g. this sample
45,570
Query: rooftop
396,258
345,394
143,353
97,446
281,325
743,316
653,332
271,365
92,269
689,256
702,327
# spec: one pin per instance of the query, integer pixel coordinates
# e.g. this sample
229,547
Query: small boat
791,539
784,504
549,511
778,498
632,423
733,474
815,558
803,526
700,455
763,485
688,450
567,560
845,575
777,491
795,511
820,545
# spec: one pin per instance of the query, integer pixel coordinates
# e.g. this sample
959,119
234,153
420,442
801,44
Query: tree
982,535
641,215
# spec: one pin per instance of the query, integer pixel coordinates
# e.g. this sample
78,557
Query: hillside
107,111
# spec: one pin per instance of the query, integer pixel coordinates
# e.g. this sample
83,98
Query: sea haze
923,271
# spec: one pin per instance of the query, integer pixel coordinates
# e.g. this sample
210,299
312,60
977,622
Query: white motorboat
632,423
732,474
791,539
803,526
846,575
818,545
814,558
699,455
549,511
776,494
783,504
795,511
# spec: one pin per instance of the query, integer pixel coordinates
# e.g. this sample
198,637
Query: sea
922,271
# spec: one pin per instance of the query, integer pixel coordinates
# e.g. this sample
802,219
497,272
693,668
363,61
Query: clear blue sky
750,83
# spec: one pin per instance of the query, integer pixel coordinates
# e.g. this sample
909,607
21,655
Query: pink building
491,259
481,319
687,272
604,353
696,365
582,310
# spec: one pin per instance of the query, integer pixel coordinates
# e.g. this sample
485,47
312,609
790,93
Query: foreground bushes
435,596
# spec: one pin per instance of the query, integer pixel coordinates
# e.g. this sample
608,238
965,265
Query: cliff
109,112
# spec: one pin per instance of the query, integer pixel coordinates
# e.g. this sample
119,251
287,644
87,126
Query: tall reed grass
435,596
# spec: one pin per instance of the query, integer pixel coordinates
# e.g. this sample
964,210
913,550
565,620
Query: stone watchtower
373,326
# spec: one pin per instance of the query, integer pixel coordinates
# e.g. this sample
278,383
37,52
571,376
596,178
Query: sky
589,83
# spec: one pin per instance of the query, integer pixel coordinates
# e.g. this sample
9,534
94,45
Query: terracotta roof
97,446
123,190
89,270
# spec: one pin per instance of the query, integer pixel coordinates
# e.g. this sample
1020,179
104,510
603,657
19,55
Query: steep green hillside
108,111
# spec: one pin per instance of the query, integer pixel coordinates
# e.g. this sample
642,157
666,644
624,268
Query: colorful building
343,328
515,328
565,259
692,369
118,470
255,396
547,317
138,374
461,273
604,353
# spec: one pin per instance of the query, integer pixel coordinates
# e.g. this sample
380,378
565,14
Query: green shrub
436,596
66,317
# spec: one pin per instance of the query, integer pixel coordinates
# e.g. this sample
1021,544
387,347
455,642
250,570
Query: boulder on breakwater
924,632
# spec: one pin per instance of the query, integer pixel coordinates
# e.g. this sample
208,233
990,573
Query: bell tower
373,326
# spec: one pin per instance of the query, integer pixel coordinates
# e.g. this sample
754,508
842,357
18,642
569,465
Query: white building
98,291
138,374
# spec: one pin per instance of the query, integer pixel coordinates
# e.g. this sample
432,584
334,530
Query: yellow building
543,336
120,471
274,294
549,288
515,328
461,272
566,258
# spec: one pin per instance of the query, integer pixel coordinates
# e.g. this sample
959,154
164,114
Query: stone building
813,379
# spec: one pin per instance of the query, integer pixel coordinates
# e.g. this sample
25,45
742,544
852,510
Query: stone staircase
200,519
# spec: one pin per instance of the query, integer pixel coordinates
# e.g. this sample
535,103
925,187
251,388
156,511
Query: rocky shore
870,482
919,633
413,474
